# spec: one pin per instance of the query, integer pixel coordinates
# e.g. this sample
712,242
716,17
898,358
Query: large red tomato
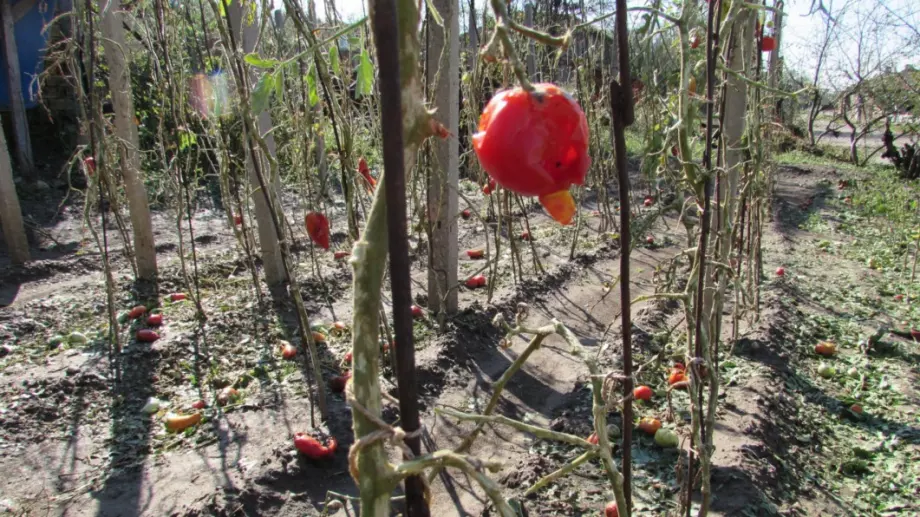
535,144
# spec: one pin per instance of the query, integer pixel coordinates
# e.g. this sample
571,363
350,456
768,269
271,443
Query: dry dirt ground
74,441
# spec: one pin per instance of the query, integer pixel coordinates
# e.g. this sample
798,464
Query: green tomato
666,438
827,371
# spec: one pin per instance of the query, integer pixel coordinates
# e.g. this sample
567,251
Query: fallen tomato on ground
826,348
649,425
417,312
227,395
643,393
137,312
339,255
348,357
780,271
535,144
466,214
177,297
176,423
476,281
313,449
155,320
146,336
199,404
288,351
525,236
319,337
337,384
318,229
611,510
475,254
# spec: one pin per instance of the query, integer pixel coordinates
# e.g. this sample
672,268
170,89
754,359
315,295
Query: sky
800,32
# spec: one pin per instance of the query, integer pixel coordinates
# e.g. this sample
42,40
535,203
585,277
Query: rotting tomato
535,144
312,448
318,228
643,393
826,348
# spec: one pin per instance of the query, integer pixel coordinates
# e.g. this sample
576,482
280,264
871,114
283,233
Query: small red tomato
674,150
199,404
337,383
466,214
768,45
856,408
312,448
611,510
898,297
288,351
147,336
137,312
417,312
319,337
318,228
592,439
155,320
694,41
649,201
476,281
339,325
489,188
650,239
826,348
535,144
679,366
237,220
348,357
475,254
525,236
387,346
643,393
89,163
915,334
780,271
177,297
339,255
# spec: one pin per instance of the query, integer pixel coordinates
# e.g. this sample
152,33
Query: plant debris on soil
82,425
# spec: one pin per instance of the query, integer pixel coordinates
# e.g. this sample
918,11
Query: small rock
71,371
41,186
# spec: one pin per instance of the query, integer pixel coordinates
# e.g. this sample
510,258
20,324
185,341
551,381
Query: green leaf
365,75
312,94
259,62
435,15
334,58
186,139
262,93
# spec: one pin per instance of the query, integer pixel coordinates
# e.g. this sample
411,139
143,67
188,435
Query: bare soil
74,441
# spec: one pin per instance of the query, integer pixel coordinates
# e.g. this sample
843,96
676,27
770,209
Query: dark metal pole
386,35
623,116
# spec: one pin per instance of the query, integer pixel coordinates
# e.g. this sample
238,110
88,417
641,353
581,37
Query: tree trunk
248,33
14,82
113,44
10,213
444,178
